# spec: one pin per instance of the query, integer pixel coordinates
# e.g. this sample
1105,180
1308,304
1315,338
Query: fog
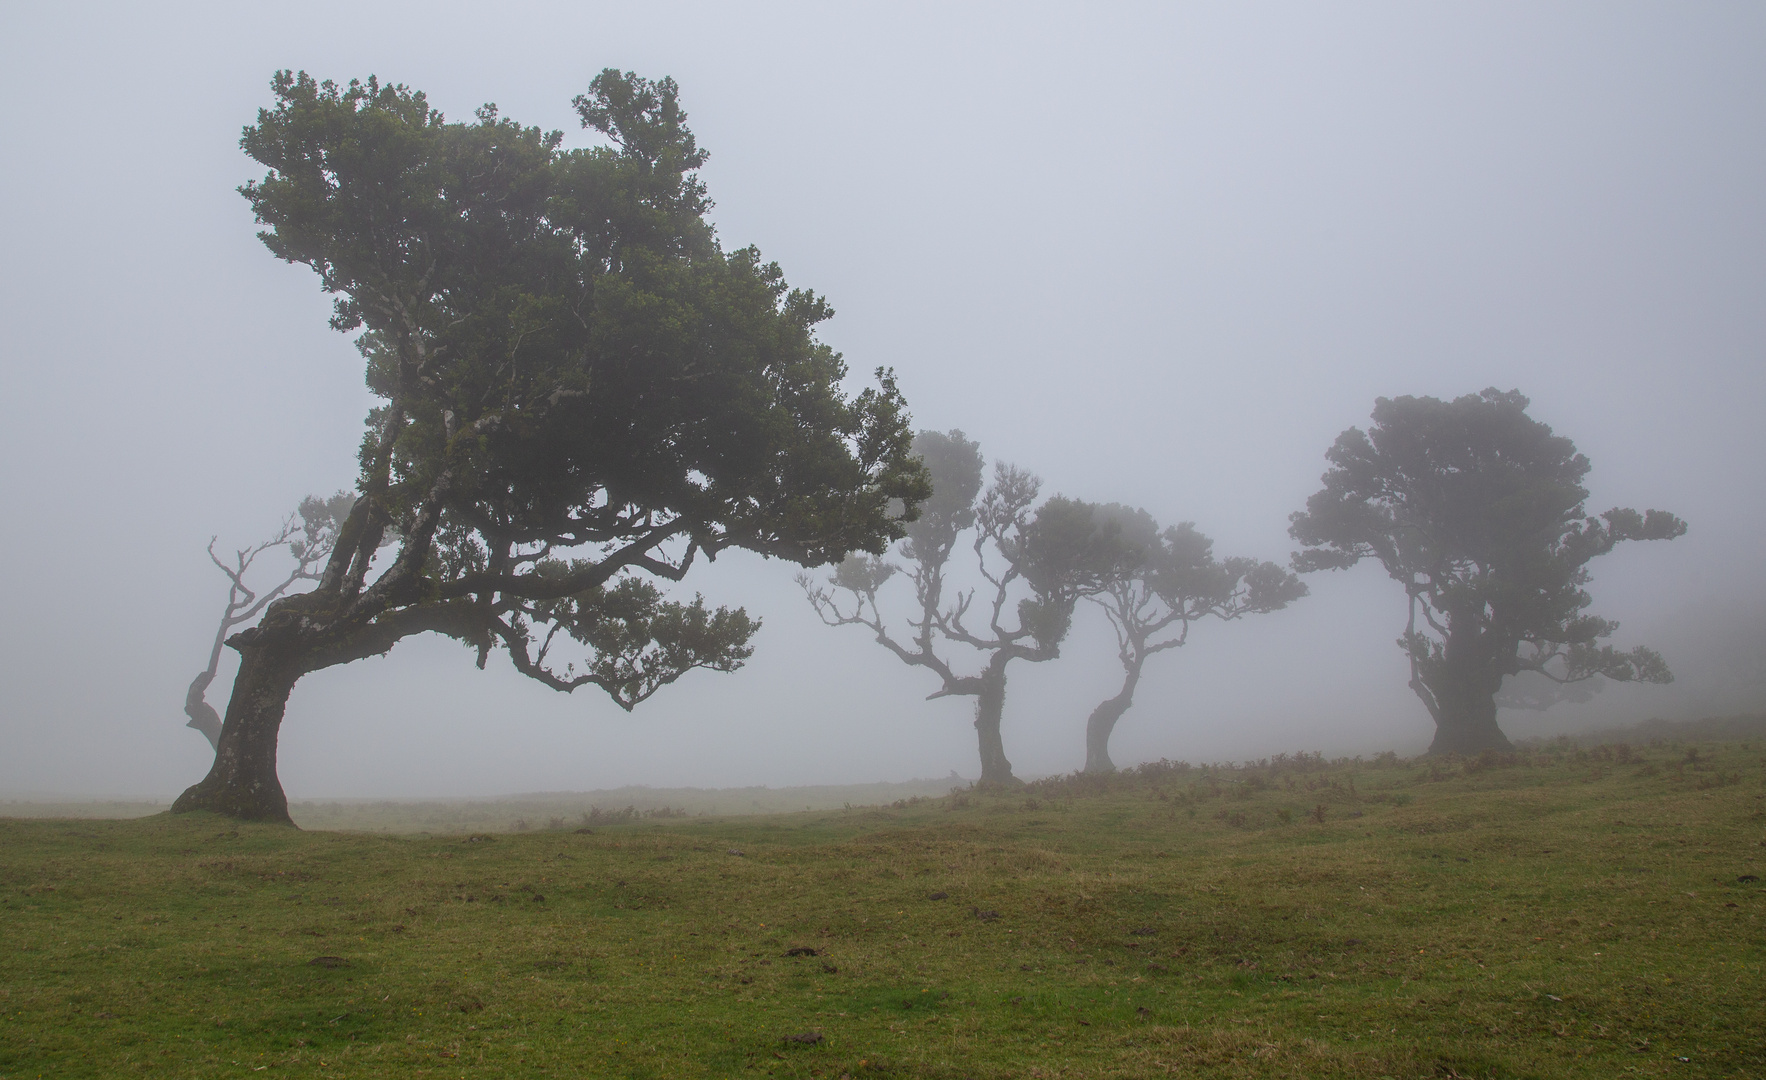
1158,255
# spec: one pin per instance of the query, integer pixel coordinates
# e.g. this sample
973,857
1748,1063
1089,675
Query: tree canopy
1478,510
577,384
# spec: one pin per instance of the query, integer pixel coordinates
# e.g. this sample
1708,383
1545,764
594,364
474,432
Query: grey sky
1158,254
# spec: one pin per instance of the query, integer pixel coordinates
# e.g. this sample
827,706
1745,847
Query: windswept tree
309,535
580,391
1164,581
1037,562
1477,510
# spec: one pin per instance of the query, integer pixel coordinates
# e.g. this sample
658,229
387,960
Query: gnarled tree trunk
242,783
1459,683
990,706
1103,721
1461,695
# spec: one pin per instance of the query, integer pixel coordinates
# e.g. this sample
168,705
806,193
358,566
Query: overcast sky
1157,254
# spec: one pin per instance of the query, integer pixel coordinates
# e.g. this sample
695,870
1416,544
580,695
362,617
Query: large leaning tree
581,391
1164,582
1036,563
308,534
1477,510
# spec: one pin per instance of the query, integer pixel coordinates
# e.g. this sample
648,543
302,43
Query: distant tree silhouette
1165,581
1045,558
1477,510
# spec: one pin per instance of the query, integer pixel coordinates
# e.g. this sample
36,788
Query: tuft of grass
1562,911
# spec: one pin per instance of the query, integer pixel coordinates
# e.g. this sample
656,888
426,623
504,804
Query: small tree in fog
1036,561
1478,511
309,534
1165,581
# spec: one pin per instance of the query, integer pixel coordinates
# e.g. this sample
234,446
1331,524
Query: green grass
1559,913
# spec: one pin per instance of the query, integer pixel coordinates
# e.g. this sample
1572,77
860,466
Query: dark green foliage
560,334
637,642
1478,511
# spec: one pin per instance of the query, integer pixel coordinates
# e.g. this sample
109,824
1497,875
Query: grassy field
1563,912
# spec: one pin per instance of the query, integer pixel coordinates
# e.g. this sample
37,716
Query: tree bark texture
1103,721
242,783
990,706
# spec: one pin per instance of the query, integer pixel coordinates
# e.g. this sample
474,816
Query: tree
1057,551
309,534
1478,511
579,388
1167,580
1534,692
